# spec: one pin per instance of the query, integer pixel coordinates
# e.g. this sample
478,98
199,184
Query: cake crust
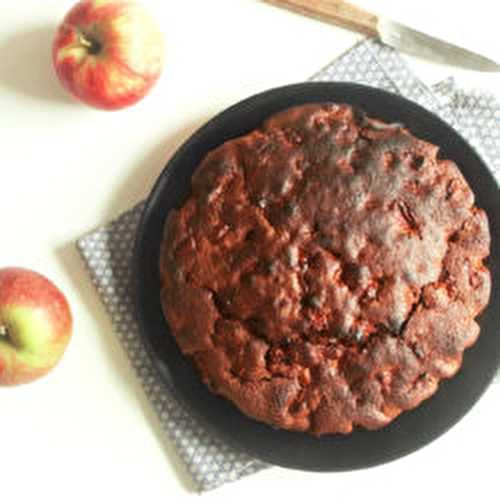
326,270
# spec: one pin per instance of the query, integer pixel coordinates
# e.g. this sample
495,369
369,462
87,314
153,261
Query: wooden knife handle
337,12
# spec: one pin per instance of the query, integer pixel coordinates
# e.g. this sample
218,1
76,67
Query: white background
86,431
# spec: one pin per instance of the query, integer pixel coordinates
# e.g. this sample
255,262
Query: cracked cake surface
326,270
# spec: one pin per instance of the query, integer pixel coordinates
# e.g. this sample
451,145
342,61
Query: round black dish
407,433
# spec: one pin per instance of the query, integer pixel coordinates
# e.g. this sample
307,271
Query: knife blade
396,35
416,43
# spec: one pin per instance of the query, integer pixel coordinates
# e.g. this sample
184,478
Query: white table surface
86,430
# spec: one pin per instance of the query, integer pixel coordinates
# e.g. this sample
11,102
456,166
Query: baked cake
326,270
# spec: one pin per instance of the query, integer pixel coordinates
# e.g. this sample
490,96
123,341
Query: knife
390,32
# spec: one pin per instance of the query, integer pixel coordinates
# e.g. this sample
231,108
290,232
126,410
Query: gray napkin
108,251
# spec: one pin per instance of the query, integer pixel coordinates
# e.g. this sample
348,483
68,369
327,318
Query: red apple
108,53
35,325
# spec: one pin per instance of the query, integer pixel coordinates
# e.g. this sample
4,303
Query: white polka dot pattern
108,251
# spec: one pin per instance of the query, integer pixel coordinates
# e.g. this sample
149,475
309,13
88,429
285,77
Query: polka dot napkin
108,251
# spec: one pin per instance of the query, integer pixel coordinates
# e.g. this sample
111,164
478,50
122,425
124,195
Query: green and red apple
35,325
108,53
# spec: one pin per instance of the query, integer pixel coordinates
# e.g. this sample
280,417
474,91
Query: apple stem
93,46
85,42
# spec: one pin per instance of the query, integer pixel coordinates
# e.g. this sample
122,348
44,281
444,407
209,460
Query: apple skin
35,325
108,53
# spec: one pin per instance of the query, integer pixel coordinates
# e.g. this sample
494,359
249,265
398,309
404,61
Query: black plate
407,433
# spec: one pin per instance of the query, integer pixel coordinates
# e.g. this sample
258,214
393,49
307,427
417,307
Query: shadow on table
130,193
27,65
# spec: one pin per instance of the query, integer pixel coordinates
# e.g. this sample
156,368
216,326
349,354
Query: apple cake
326,270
